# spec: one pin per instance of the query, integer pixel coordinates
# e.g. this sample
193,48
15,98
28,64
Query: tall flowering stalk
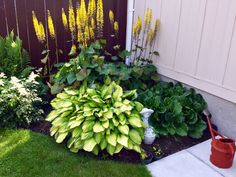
51,25
148,39
39,28
100,18
64,18
72,22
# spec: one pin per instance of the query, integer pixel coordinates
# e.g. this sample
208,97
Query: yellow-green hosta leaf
110,149
89,144
98,137
126,102
138,106
135,121
112,139
105,124
115,122
118,104
95,150
118,93
71,142
71,92
86,135
135,137
118,148
87,126
77,131
122,119
53,130
123,140
52,115
91,92
108,114
124,129
75,123
98,127
128,94
137,148
130,144
78,144
60,138
63,95
103,144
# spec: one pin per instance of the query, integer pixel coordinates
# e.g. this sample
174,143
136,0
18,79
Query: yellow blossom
91,9
150,36
156,27
42,32
51,25
111,17
139,25
100,18
83,13
91,32
93,23
64,19
116,26
148,17
36,24
71,17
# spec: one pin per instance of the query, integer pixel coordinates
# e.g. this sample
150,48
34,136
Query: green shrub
178,111
19,101
97,118
13,58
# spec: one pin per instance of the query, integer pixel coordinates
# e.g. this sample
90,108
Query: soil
168,145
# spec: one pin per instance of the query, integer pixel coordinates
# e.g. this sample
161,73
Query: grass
27,154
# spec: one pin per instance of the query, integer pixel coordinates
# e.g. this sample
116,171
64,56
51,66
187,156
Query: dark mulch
169,145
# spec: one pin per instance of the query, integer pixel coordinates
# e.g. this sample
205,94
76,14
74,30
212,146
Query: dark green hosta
98,119
178,111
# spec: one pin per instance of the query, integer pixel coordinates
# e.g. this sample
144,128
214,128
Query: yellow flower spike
86,33
90,9
79,37
93,7
42,32
139,25
78,22
51,25
91,32
100,18
150,37
148,17
116,26
111,17
93,23
64,18
83,13
36,25
71,17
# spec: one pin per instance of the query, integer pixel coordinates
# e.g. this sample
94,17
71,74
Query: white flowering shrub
19,101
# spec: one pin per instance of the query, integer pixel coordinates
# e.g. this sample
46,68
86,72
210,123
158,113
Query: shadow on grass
27,154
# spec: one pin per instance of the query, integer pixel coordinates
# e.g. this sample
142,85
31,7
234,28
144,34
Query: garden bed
169,144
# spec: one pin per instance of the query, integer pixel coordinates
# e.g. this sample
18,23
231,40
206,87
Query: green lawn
27,154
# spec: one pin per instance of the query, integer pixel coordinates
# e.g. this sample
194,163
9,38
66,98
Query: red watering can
222,149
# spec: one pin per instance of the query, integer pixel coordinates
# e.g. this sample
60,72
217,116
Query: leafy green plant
92,66
97,118
13,58
19,101
178,111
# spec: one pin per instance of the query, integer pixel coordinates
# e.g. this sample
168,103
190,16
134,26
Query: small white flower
1,83
14,80
2,75
32,77
23,91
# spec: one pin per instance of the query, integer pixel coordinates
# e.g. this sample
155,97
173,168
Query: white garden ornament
149,134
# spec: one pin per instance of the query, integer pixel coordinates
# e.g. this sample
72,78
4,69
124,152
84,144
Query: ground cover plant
178,111
28,154
97,118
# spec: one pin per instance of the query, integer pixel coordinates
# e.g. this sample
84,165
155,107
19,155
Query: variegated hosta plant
97,119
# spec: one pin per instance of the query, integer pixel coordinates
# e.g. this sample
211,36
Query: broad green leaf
135,121
108,114
103,144
123,140
89,144
87,126
61,137
98,127
98,137
134,136
124,129
110,149
105,124
86,135
76,132
118,93
112,139
138,106
52,115
118,148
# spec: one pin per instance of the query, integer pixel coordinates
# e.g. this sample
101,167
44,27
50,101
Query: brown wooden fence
17,15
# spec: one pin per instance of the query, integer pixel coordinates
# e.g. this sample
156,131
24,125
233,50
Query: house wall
197,42
197,46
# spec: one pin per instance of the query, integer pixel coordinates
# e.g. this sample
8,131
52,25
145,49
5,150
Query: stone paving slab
202,151
181,164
